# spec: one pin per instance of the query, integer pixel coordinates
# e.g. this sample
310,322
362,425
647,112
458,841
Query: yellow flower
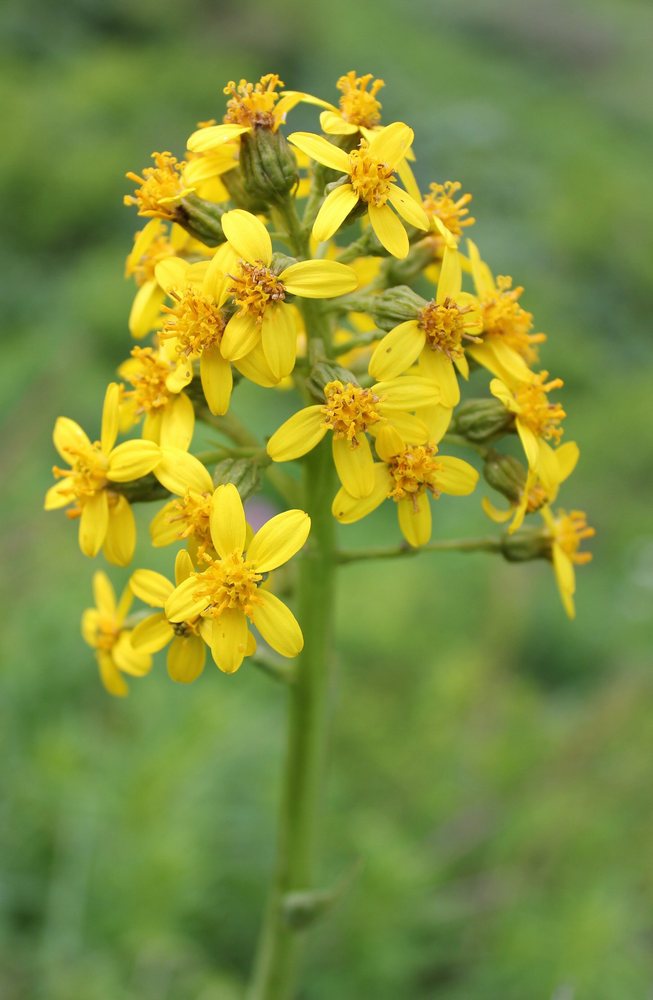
358,108
105,517
507,348
567,532
161,187
369,172
187,652
187,517
533,494
436,336
228,593
350,413
407,474
103,628
156,396
442,203
154,243
537,422
250,105
263,317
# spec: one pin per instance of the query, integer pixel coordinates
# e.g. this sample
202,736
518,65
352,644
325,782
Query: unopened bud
268,164
234,182
505,474
202,219
396,305
280,262
242,472
482,419
527,544
323,373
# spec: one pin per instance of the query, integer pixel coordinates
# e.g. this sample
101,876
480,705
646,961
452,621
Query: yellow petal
183,566
415,519
254,367
412,430
390,144
279,339
481,273
145,312
90,626
439,369
69,438
93,524
567,456
152,634
248,236
397,351
177,423
408,208
277,625
319,279
110,417
334,124
132,459
278,540
389,230
241,335
164,528
103,594
59,495
183,605
564,570
320,149
298,435
120,540
455,476
172,273
186,659
129,660
503,393
348,509
531,445
229,640
408,178
215,135
150,587
110,676
180,471
354,465
406,393
217,380
451,275
334,210
180,377
496,515
437,418
228,527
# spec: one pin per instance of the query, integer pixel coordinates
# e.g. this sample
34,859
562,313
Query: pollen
535,409
255,288
442,201
349,410
358,104
414,470
252,104
444,326
230,583
195,322
161,187
192,514
504,317
370,179
148,379
87,472
570,530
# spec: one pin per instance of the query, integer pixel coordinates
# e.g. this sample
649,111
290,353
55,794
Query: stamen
252,104
535,410
444,326
230,583
359,105
369,178
255,287
349,410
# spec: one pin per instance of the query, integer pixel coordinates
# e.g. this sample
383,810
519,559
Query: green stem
486,544
280,941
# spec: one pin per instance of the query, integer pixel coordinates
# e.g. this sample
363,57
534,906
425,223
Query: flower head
567,531
161,187
537,421
104,629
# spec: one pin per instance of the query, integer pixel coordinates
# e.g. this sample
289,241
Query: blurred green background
492,763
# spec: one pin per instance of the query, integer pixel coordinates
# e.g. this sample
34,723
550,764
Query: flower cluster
308,261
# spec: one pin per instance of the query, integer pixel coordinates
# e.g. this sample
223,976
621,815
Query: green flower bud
323,373
505,474
202,219
527,544
242,472
482,419
268,164
396,305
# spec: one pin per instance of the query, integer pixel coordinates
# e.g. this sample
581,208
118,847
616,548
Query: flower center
504,317
161,187
370,179
359,105
255,288
230,583
444,326
349,410
414,470
192,513
88,472
148,378
441,201
195,322
107,632
570,530
253,103
542,416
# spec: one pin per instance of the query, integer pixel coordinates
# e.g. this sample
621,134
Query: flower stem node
243,473
481,420
268,165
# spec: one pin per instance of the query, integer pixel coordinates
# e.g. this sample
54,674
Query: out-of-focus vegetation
492,763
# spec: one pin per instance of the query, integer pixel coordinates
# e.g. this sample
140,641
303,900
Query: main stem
279,945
